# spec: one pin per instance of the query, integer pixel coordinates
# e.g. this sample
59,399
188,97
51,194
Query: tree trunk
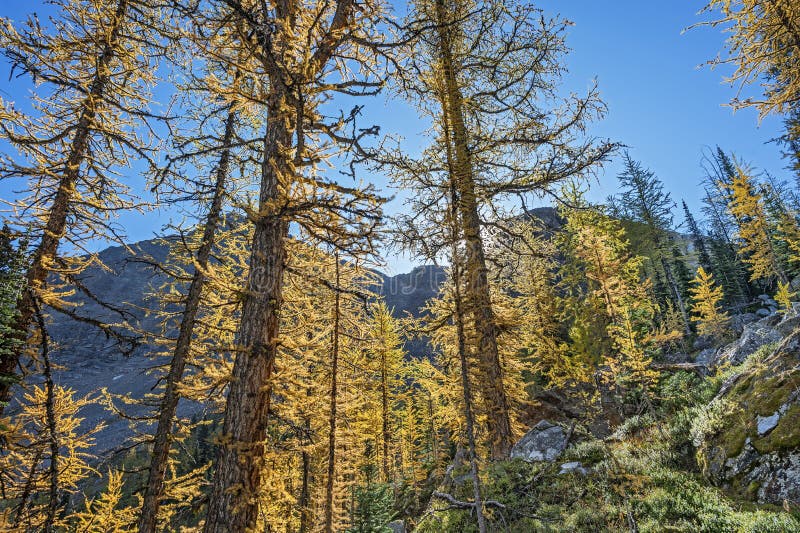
466,390
478,295
52,429
305,491
169,402
458,318
233,504
385,412
45,253
332,416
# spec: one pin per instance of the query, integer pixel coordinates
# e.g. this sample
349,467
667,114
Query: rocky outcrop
754,336
544,442
751,442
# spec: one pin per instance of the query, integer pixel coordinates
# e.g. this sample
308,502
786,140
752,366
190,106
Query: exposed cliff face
88,361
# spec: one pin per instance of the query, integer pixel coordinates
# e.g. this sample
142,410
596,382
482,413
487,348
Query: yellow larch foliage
706,300
105,514
783,296
746,205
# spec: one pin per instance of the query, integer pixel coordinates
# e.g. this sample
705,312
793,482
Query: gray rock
738,322
754,336
763,312
790,322
703,342
705,357
767,423
397,526
544,442
574,467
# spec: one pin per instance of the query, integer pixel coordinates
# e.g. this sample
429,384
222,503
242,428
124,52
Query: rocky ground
721,453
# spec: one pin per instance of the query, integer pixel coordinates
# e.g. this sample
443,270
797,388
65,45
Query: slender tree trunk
233,505
478,295
385,413
305,500
45,253
169,402
466,387
676,293
52,430
333,401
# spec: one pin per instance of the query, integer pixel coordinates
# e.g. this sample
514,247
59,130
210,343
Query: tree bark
333,401
233,504
385,409
458,318
478,296
55,227
305,490
169,402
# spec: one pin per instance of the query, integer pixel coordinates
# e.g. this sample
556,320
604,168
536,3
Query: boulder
754,336
754,448
544,442
738,322
397,526
705,357
574,467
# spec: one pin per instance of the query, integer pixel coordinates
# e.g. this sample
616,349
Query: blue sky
661,104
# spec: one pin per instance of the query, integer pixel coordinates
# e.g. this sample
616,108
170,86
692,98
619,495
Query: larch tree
763,44
706,306
210,143
386,354
92,73
615,278
746,205
487,75
308,50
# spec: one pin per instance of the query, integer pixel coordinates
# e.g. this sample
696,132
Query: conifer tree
615,281
644,200
706,312
92,71
307,51
387,356
29,482
12,282
747,206
105,513
698,239
488,79
763,45
783,296
213,134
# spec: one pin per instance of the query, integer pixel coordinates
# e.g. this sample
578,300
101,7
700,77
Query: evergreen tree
644,200
12,283
698,239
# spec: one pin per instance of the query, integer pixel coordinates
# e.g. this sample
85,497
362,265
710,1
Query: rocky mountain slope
88,360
